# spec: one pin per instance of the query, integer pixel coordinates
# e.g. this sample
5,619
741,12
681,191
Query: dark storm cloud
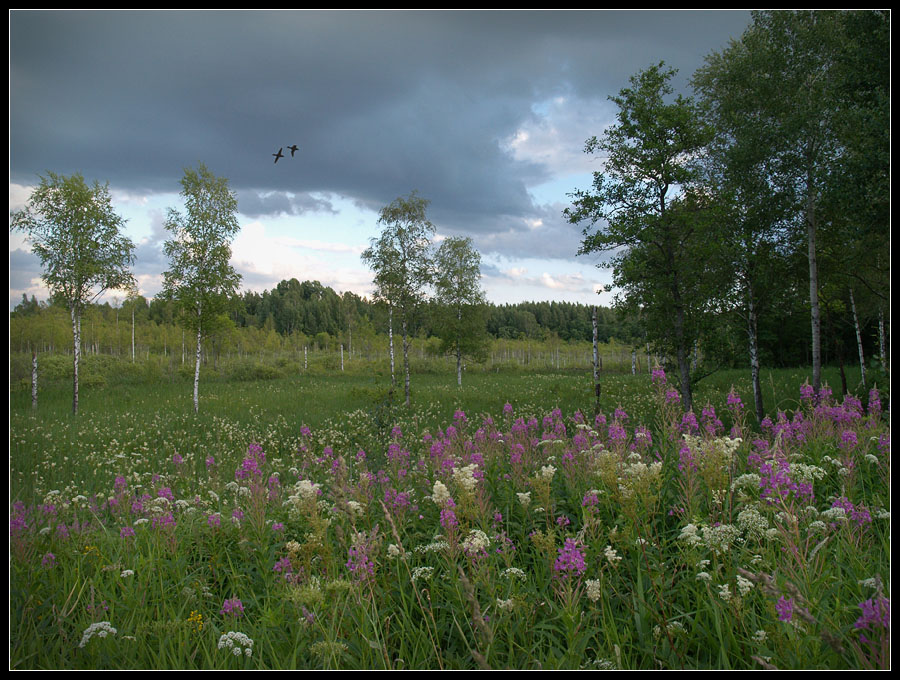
380,103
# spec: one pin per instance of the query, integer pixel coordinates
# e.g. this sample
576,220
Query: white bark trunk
197,374
859,343
34,379
406,360
76,336
596,355
815,322
753,342
391,342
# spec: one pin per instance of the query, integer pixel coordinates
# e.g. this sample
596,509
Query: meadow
313,521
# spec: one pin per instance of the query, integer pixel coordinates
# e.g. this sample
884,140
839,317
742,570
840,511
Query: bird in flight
293,149
278,155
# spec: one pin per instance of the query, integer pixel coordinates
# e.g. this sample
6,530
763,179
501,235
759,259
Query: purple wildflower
570,560
233,607
785,608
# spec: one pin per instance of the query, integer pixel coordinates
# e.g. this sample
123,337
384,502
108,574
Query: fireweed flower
785,608
569,561
876,614
233,607
49,561
126,532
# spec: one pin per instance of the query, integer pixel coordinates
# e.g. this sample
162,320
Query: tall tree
460,299
402,262
75,232
641,209
200,279
742,174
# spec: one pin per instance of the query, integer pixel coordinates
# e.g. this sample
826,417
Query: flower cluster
237,643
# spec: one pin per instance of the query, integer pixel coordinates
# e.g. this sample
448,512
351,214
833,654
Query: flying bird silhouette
278,155
293,148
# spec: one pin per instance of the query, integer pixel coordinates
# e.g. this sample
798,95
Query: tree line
769,186
745,224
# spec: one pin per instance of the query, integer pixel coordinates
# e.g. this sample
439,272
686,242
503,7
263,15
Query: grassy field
313,521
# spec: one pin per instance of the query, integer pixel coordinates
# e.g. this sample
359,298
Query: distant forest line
296,315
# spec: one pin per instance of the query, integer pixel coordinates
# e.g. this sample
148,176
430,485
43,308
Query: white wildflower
524,499
506,605
238,643
465,477
744,585
611,555
592,589
439,493
422,573
476,542
760,636
547,472
101,630
514,573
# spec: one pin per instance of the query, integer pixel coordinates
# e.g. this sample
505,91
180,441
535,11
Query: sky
483,113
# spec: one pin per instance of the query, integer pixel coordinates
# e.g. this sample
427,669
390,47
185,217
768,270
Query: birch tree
200,279
642,211
460,298
402,262
76,234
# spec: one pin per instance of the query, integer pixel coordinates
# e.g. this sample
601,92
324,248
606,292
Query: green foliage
200,279
645,209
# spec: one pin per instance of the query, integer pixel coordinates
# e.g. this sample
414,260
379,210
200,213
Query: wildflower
760,637
100,629
592,589
126,532
785,608
196,618
744,585
439,493
237,643
127,573
506,605
514,573
422,573
233,607
570,560
524,499
611,555
49,561
547,472
476,543
876,614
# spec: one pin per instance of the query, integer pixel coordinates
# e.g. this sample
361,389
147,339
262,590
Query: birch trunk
859,343
76,335
391,342
406,361
596,354
197,371
882,343
458,349
815,320
33,379
753,341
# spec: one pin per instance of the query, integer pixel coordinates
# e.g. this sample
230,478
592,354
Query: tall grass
313,522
